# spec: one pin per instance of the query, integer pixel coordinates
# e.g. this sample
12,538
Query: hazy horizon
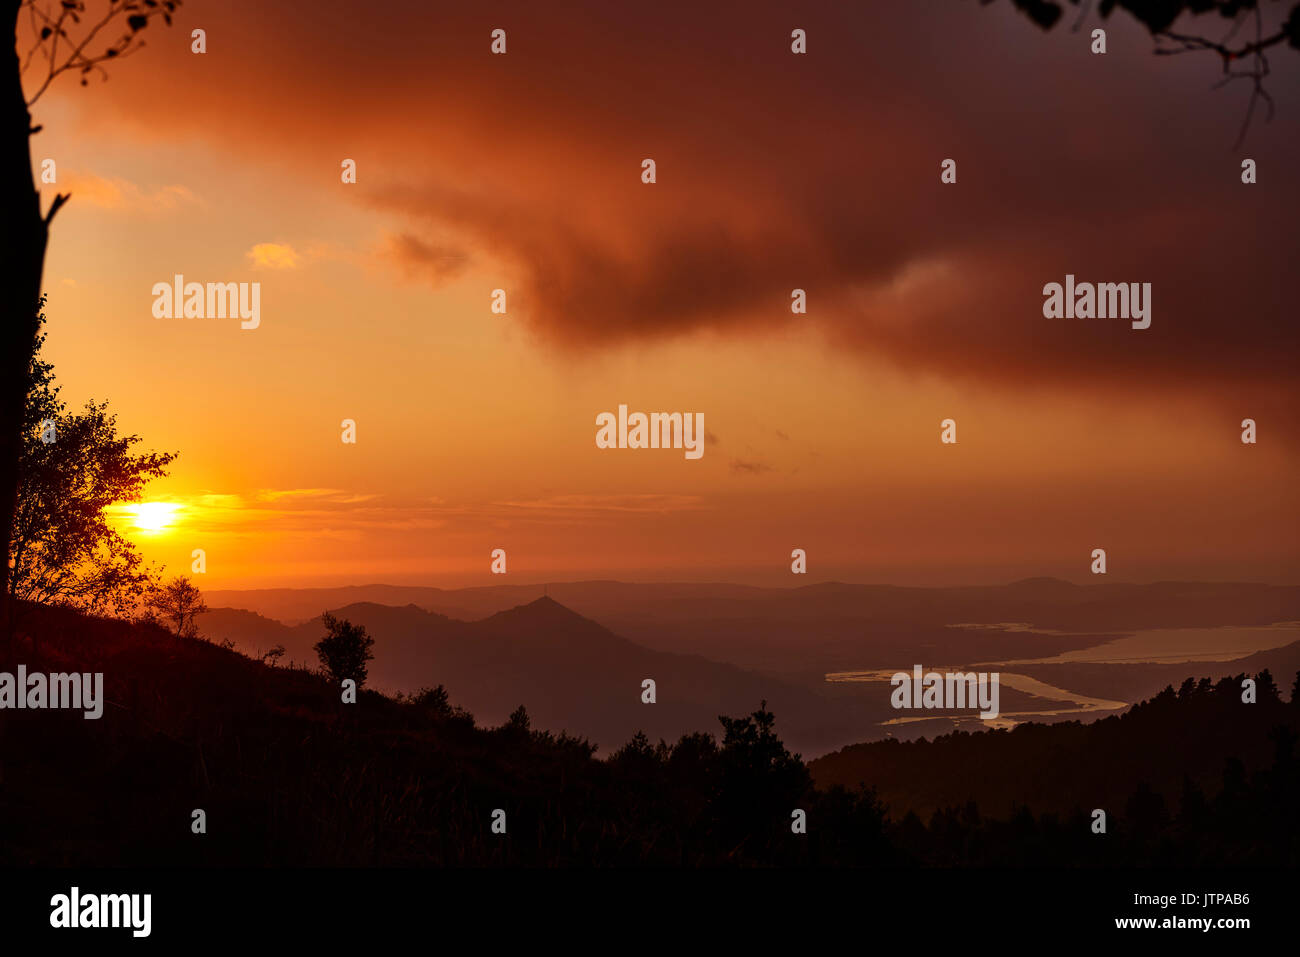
525,582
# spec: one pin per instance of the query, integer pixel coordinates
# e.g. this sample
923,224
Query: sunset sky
775,171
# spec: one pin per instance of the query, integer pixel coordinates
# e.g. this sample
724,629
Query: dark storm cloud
778,171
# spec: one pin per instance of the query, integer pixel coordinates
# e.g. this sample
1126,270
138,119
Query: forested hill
286,773
1153,768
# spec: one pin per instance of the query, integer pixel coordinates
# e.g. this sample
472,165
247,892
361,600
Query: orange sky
476,430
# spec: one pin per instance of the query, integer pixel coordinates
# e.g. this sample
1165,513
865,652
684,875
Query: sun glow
151,517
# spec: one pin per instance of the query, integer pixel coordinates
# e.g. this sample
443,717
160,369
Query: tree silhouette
1241,59
51,37
761,783
72,467
344,650
178,604
1145,814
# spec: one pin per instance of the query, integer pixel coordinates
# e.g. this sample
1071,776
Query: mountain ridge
573,674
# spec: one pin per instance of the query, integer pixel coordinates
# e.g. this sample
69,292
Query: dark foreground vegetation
289,775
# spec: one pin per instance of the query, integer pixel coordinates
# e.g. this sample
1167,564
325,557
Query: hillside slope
288,775
573,674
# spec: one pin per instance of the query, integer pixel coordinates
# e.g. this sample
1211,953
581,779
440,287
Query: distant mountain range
571,673
1044,602
721,649
804,632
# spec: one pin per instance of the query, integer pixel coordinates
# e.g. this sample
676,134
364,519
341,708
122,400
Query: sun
152,517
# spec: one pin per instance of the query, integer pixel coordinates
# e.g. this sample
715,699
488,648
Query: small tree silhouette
760,781
344,650
435,701
518,725
1266,688
178,605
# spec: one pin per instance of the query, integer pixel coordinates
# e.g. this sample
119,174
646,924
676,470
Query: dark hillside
288,775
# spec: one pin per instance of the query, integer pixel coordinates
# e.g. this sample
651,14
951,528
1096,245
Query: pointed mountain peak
544,612
546,605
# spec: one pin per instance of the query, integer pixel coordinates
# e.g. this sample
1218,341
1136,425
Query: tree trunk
23,234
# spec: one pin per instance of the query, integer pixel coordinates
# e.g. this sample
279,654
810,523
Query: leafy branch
66,40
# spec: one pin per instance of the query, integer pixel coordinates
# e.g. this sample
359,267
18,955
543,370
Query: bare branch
1254,51
50,25
1084,10
59,200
